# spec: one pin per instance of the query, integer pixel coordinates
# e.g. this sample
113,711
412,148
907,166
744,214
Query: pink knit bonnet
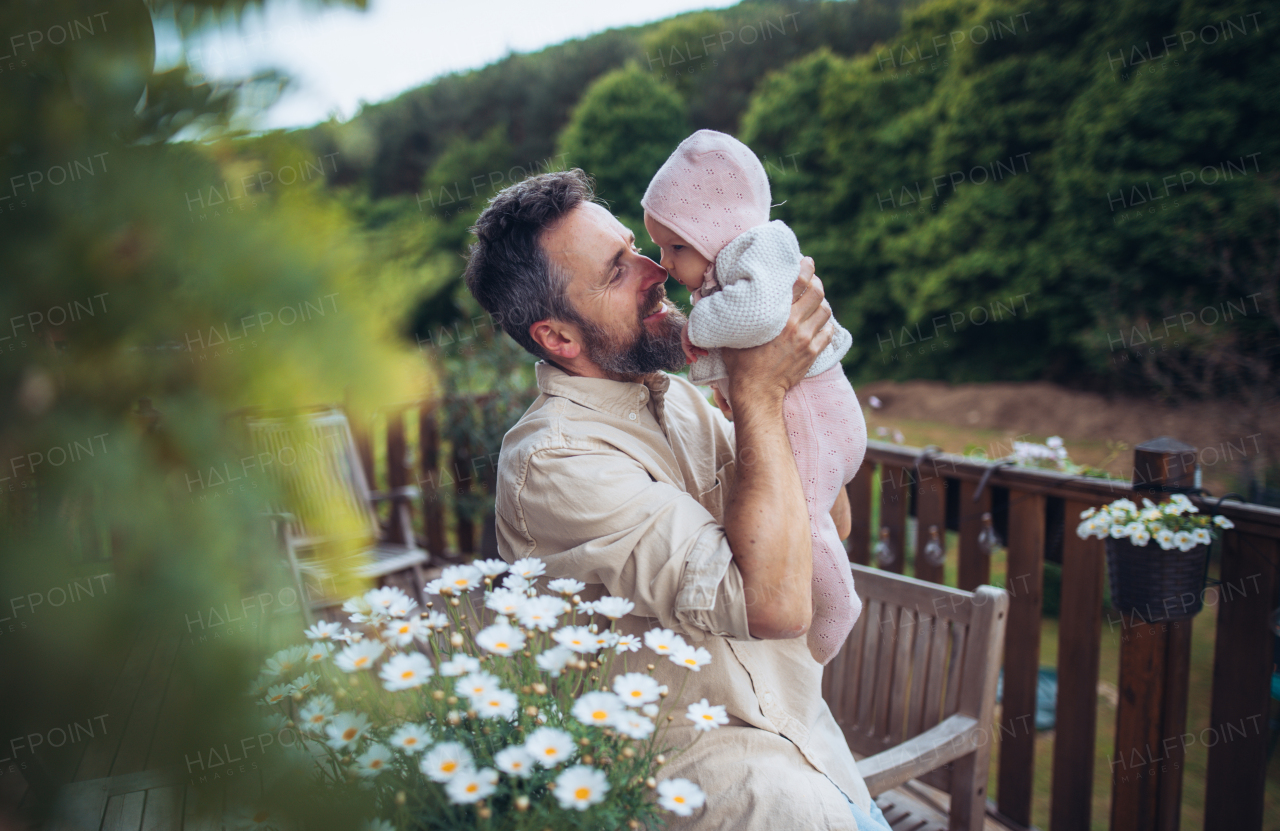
709,191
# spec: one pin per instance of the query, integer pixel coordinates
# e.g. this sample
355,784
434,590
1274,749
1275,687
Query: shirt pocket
713,498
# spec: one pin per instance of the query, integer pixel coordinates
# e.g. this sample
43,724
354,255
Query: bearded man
622,476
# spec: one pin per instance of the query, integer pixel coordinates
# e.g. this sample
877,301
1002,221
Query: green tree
626,125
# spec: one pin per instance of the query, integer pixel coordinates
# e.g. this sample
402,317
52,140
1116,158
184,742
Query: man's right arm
766,518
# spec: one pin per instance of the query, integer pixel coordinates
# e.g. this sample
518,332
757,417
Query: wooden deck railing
1033,512
955,492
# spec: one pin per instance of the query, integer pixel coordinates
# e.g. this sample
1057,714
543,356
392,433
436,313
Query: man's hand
774,367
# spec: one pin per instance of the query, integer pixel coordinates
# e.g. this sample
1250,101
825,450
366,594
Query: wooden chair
914,687
327,489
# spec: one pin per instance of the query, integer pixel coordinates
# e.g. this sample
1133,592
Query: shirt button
631,416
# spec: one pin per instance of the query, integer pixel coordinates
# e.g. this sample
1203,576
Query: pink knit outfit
710,191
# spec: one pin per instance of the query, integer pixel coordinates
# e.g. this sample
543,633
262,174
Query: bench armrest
956,736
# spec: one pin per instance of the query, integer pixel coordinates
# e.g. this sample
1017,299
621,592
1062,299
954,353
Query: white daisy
1152,515
515,582
530,568
319,651
707,716
345,729
459,579
633,725
403,632
1119,530
663,641
550,746
1085,529
316,712
566,586
541,613
499,704
445,761
490,568
477,685
1202,536
606,639
578,638
1223,522
514,761
1184,541
580,787
434,622
304,683
680,796
323,630
597,708
690,657
635,689
471,785
1164,538
348,636
435,586
460,664
501,638
390,601
650,710
1123,505
627,643
278,693
1140,535
411,738
373,761
406,671
613,607
554,659
506,601
1088,512
287,660
359,656
358,610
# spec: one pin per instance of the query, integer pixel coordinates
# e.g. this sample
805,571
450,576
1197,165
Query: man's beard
647,353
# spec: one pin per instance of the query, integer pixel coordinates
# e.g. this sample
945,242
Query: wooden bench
914,690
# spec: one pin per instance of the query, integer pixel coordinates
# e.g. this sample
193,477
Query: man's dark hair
508,272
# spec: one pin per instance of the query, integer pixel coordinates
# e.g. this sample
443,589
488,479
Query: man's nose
655,274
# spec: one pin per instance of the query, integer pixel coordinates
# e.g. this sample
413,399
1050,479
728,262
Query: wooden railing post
400,524
859,491
1079,652
895,489
931,513
975,564
429,481
1155,661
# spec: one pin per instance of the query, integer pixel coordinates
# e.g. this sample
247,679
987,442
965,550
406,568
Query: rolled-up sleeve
594,513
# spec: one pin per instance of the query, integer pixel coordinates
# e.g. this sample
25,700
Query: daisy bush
526,710
1175,524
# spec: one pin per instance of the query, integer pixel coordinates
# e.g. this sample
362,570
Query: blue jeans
873,821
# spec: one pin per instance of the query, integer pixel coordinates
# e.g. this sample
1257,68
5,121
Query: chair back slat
316,472
911,661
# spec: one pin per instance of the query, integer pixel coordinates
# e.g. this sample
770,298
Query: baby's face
681,260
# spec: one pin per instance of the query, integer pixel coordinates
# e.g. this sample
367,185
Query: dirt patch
1233,444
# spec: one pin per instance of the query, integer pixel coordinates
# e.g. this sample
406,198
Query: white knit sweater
755,273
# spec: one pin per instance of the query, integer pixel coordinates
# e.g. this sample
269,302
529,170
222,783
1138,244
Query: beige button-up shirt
622,485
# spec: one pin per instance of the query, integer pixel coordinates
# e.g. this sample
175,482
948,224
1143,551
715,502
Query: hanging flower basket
1157,555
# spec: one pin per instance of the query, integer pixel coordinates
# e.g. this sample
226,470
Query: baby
708,210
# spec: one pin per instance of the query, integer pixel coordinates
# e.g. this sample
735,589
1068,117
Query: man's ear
558,338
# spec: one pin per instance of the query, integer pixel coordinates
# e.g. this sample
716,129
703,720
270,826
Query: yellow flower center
361,661
599,715
449,767
472,787
406,675
582,793
550,751
679,799
410,741
349,733
375,764
635,693
707,717
501,645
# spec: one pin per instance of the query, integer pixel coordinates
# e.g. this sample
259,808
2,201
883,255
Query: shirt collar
620,398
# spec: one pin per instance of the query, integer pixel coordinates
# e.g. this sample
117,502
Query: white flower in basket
1176,524
508,712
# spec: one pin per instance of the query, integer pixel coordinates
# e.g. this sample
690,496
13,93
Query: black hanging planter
1156,585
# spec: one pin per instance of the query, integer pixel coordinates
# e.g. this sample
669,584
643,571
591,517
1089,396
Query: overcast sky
341,57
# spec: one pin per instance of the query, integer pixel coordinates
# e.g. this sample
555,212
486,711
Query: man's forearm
767,522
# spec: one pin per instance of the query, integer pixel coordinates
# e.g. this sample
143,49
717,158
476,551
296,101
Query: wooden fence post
1155,661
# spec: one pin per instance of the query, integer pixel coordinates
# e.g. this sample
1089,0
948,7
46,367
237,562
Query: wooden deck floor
119,782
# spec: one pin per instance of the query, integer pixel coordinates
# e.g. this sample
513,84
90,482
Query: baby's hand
691,352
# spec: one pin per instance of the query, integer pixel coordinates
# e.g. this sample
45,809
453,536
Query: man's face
628,326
